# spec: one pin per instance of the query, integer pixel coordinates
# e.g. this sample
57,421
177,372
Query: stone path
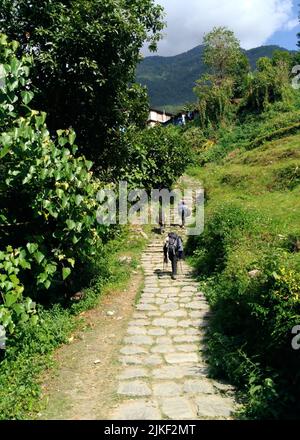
164,375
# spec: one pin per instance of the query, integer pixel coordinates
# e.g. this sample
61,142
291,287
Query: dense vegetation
51,245
75,61
157,157
48,199
85,54
48,229
29,351
248,257
170,80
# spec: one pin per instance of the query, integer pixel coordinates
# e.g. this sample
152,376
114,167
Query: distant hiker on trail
183,212
161,219
173,250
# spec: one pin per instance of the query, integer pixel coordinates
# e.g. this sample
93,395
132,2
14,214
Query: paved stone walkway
164,375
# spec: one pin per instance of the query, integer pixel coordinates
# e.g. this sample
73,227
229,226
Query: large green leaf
4,151
72,137
10,299
71,224
78,200
39,257
27,97
32,247
66,272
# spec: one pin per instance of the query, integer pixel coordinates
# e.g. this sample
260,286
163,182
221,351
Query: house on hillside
158,117
182,118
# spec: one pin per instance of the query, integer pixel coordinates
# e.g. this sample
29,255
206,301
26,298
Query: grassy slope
251,332
252,180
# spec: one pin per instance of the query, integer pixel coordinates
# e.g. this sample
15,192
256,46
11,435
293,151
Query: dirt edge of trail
83,385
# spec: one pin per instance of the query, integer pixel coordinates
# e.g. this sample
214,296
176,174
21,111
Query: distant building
158,117
182,118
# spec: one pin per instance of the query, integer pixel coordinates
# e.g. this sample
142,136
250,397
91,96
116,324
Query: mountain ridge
170,80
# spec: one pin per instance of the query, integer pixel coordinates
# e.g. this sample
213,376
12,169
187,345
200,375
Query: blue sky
287,38
255,22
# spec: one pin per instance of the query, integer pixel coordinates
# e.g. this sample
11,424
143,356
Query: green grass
252,180
253,223
30,352
248,134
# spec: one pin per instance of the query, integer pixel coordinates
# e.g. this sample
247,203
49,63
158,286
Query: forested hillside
170,80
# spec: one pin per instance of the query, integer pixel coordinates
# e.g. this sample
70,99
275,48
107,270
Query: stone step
163,365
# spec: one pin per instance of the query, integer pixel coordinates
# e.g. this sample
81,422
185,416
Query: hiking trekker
183,212
161,219
173,250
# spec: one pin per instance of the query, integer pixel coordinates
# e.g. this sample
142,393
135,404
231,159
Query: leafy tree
239,74
157,157
48,203
138,106
270,83
283,57
85,55
223,55
231,87
228,68
214,100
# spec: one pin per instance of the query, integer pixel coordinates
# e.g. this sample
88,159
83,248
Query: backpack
174,245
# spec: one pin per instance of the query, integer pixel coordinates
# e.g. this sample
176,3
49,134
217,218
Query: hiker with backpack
173,250
183,212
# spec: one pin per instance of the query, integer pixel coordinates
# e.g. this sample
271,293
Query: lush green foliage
157,157
230,90
29,349
248,260
85,54
248,133
222,54
228,69
48,199
270,83
214,100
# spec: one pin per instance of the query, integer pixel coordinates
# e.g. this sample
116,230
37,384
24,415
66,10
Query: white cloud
253,21
292,24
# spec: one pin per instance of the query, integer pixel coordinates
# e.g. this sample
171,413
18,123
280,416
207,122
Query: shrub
287,178
269,84
48,222
157,157
254,311
223,228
